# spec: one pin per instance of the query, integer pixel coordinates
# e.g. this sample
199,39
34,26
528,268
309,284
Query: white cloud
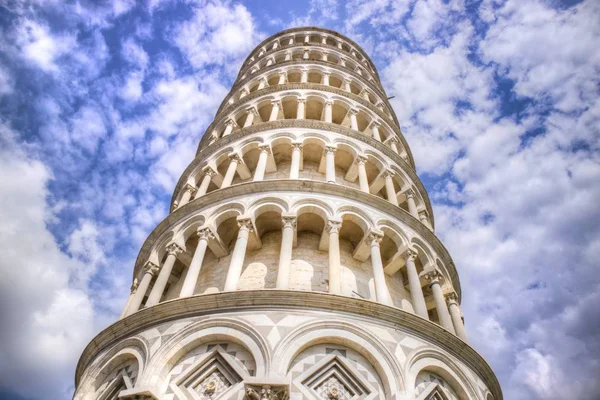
217,34
87,128
39,47
46,321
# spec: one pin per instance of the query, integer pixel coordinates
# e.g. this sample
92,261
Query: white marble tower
299,260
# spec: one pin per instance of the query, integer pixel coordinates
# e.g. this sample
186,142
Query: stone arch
158,251
133,349
424,252
430,359
187,228
349,335
209,330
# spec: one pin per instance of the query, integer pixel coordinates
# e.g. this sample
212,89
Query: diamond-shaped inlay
211,377
212,386
332,378
332,388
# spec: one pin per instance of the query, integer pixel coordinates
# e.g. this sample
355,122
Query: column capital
190,188
282,73
452,298
150,268
301,100
333,226
289,221
328,103
231,122
410,254
347,80
134,286
353,111
327,73
252,110
265,148
263,79
409,193
434,277
330,149
390,172
276,103
361,159
205,233
245,223
173,248
209,171
234,157
297,145
375,237
376,124
244,90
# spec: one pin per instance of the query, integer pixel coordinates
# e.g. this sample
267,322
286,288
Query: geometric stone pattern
366,376
351,373
426,379
122,377
239,355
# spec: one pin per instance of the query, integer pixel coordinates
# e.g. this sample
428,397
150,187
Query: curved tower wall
299,259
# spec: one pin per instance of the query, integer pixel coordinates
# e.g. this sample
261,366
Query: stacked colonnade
299,258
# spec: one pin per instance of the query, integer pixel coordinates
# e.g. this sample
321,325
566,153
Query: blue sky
102,105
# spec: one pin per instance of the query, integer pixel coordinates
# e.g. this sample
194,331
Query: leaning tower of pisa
299,259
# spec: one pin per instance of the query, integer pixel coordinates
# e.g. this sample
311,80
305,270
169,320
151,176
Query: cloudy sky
101,108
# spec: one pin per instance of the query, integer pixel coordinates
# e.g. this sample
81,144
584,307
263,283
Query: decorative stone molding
256,300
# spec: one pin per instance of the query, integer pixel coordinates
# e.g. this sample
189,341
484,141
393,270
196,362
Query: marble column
261,165
347,86
412,206
328,111
362,174
230,174
414,284
193,271
457,322
262,83
132,291
250,117
304,75
334,267
375,129
381,289
326,78
228,127
434,277
330,164
270,61
243,93
282,77
394,146
288,56
390,191
365,95
300,113
238,254
324,57
285,254
187,195
424,219
274,110
150,269
306,55
206,179
296,156
157,292
353,119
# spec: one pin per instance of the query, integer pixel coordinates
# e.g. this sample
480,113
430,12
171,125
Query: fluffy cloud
47,318
217,34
